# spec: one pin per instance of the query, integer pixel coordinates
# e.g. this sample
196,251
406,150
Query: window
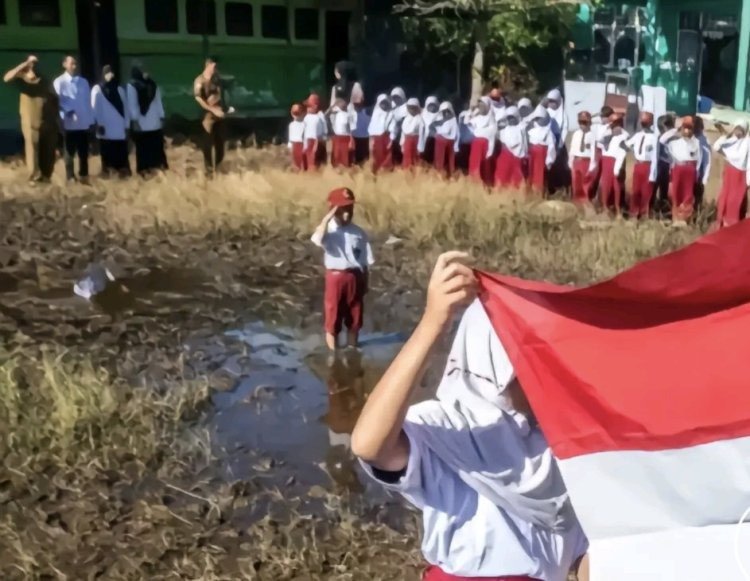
201,16
161,16
39,12
306,24
274,22
239,19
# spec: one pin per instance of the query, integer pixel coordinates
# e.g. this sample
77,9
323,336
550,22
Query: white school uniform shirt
414,125
75,102
315,126
152,120
485,127
381,122
105,115
341,122
515,139
616,148
430,118
643,144
296,132
704,168
736,151
360,123
581,145
661,153
544,136
686,150
345,247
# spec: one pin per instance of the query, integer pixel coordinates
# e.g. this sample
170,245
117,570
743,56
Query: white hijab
399,112
473,428
736,151
381,121
513,137
559,120
485,126
448,128
413,125
428,117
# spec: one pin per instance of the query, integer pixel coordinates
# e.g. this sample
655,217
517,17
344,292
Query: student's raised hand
452,286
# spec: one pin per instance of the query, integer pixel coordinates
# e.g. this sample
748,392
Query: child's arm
320,232
378,438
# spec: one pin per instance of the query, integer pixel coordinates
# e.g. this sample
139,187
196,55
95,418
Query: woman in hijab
473,459
381,129
542,150
430,115
510,170
347,86
108,100
398,104
446,140
735,149
484,126
146,121
559,175
413,135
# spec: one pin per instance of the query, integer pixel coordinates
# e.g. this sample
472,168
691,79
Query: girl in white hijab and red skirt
473,459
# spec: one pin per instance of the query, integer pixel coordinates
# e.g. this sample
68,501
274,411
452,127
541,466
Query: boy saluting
347,258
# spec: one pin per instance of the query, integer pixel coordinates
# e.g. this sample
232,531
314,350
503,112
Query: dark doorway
97,37
337,42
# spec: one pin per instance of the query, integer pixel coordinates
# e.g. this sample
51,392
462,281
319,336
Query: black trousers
212,145
149,151
76,142
114,154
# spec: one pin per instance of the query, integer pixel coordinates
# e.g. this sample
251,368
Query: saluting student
316,131
466,137
642,144
413,135
686,153
446,140
342,144
599,129
735,149
472,460
77,118
661,162
484,127
381,129
146,112
347,258
511,164
109,102
612,183
297,137
360,131
430,115
582,163
542,149
704,170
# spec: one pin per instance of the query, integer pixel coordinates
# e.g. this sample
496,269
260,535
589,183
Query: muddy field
187,423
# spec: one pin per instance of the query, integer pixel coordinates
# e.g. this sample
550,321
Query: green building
689,47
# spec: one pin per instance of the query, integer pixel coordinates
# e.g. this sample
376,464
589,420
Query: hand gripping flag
641,385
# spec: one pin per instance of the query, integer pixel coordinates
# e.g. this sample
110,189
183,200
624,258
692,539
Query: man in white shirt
77,117
348,258
146,113
110,106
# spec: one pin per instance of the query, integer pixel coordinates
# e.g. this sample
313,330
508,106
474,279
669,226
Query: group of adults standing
70,108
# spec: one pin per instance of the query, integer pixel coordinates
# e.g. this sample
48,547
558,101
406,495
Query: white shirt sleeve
97,105
551,150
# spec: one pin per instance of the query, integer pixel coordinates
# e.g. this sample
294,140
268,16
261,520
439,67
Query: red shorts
434,573
344,297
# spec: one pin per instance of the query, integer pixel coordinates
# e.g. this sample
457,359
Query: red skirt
509,171
732,203
315,156
537,167
341,151
434,573
299,161
410,151
643,190
480,166
361,150
682,189
381,152
445,156
611,186
583,180
344,297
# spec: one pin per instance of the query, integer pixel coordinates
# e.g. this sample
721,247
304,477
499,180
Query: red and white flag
641,385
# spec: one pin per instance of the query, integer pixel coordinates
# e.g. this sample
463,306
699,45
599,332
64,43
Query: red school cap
341,198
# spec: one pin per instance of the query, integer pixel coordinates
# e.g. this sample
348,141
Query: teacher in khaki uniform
208,94
39,123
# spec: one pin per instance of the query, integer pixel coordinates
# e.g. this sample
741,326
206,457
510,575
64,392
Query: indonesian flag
641,385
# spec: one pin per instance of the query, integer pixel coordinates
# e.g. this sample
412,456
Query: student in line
296,139
484,127
381,129
347,258
146,121
398,103
582,164
446,140
473,460
704,169
686,154
612,183
735,149
559,174
542,150
661,163
466,138
511,163
642,144
316,131
39,111
526,111
600,130
110,105
77,117
360,132
342,145
413,135
430,115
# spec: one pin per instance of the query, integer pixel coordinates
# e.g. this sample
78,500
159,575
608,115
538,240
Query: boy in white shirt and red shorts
347,258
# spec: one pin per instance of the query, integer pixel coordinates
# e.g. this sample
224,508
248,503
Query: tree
504,27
